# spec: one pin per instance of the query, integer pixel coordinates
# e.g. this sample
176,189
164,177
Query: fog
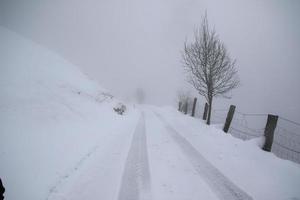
132,44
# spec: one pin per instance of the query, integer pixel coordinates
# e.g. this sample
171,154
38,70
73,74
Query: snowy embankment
52,119
262,175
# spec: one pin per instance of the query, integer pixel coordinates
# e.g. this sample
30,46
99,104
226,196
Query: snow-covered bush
120,108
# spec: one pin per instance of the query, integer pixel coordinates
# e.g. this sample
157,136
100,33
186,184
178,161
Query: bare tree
210,69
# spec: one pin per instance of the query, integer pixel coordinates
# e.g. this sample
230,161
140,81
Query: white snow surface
52,118
61,140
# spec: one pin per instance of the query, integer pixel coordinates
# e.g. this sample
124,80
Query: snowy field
61,140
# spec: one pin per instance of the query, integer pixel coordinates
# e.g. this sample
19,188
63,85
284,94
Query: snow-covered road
223,187
165,142
136,176
172,175
155,161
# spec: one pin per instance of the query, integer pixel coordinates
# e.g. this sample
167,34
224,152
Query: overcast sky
137,43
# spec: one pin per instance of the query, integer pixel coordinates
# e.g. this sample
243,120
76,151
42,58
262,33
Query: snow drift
51,116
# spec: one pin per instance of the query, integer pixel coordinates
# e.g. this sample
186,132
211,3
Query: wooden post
269,132
205,111
194,107
179,106
229,118
186,108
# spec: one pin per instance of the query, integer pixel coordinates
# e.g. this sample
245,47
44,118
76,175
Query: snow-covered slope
51,117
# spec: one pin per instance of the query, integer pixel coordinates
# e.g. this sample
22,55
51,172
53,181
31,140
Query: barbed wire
244,132
286,137
242,122
251,114
288,120
283,139
261,130
285,147
240,127
288,131
220,110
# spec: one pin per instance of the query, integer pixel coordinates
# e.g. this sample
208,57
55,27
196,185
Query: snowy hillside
51,116
61,140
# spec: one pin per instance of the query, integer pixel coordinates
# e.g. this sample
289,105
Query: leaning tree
210,69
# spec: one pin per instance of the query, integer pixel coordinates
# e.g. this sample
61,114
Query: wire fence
286,142
245,126
248,126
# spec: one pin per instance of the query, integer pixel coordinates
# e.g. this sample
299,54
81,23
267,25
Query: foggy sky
137,43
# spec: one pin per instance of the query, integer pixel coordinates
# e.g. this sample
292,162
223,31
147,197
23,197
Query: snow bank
261,174
51,117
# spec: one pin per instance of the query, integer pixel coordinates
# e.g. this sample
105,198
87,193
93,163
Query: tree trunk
209,110
205,112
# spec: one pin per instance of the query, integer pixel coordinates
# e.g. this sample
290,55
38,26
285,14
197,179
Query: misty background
125,45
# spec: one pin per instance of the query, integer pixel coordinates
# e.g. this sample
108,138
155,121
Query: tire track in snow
224,188
135,183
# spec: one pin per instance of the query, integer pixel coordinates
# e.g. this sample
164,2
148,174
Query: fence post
205,111
194,107
186,108
269,132
229,118
179,106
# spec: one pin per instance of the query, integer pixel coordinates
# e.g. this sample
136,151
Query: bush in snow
120,108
